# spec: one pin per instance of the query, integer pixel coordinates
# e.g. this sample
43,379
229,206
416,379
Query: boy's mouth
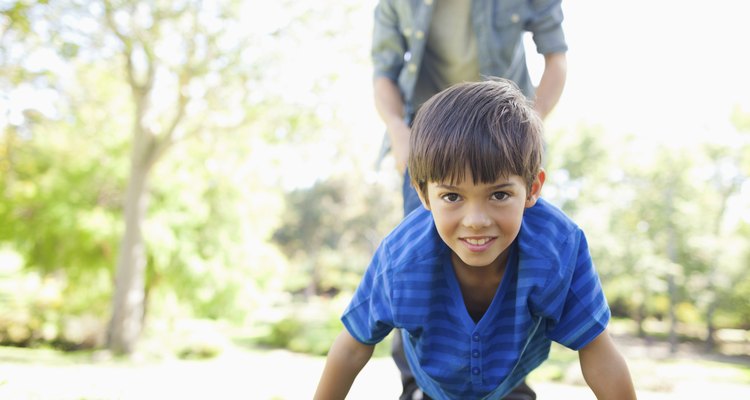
478,243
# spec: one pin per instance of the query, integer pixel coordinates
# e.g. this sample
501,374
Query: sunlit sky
666,71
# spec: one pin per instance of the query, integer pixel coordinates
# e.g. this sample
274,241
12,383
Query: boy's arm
605,370
345,359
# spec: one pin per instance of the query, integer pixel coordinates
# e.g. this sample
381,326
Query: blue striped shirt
550,291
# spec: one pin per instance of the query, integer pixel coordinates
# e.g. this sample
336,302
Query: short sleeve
545,25
369,316
582,314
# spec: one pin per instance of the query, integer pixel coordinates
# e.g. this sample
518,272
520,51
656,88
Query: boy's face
479,222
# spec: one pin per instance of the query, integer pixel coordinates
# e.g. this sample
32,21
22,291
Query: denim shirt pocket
508,15
508,21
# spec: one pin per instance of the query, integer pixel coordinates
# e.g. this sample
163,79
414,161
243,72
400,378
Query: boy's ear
536,188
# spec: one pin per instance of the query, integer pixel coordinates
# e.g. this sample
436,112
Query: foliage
64,157
60,204
671,211
330,230
309,327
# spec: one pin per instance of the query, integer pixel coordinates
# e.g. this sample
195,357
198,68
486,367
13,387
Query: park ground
240,372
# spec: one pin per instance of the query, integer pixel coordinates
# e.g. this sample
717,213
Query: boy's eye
500,195
451,197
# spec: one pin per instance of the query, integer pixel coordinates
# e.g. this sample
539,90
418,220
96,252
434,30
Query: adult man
421,47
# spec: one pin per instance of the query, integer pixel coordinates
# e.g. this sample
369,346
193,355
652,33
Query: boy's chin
475,262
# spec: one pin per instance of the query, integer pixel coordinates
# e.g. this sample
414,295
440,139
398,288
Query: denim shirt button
475,353
475,337
475,370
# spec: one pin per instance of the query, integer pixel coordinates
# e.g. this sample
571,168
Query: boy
483,277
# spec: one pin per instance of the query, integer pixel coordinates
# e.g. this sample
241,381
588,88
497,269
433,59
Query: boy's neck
479,284
478,275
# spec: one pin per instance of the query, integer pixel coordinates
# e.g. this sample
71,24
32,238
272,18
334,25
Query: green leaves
659,213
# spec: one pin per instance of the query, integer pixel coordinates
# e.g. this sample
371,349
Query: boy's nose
476,218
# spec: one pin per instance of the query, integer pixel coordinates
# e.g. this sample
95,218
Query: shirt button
475,337
515,18
419,35
475,353
412,68
475,370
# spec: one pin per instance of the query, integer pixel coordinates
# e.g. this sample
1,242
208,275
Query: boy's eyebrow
504,185
495,187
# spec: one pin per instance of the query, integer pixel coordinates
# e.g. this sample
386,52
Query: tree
216,73
151,37
183,64
726,174
59,203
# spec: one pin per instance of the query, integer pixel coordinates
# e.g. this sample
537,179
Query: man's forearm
390,107
551,84
388,101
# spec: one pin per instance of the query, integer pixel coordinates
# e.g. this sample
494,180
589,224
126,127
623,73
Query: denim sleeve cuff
384,73
551,41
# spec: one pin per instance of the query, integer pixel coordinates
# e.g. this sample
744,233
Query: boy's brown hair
489,127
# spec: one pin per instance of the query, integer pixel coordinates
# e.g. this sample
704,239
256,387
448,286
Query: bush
310,327
303,333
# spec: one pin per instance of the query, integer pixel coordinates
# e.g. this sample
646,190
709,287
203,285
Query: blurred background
188,193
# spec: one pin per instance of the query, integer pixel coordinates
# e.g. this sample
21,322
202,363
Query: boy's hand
605,370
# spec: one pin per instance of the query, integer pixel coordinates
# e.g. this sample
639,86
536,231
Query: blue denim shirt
401,29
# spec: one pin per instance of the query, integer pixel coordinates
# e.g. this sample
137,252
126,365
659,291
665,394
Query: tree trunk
641,317
313,287
710,327
671,286
126,322
672,315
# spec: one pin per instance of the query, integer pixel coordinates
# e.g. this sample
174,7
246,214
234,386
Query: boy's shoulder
547,216
546,227
414,240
